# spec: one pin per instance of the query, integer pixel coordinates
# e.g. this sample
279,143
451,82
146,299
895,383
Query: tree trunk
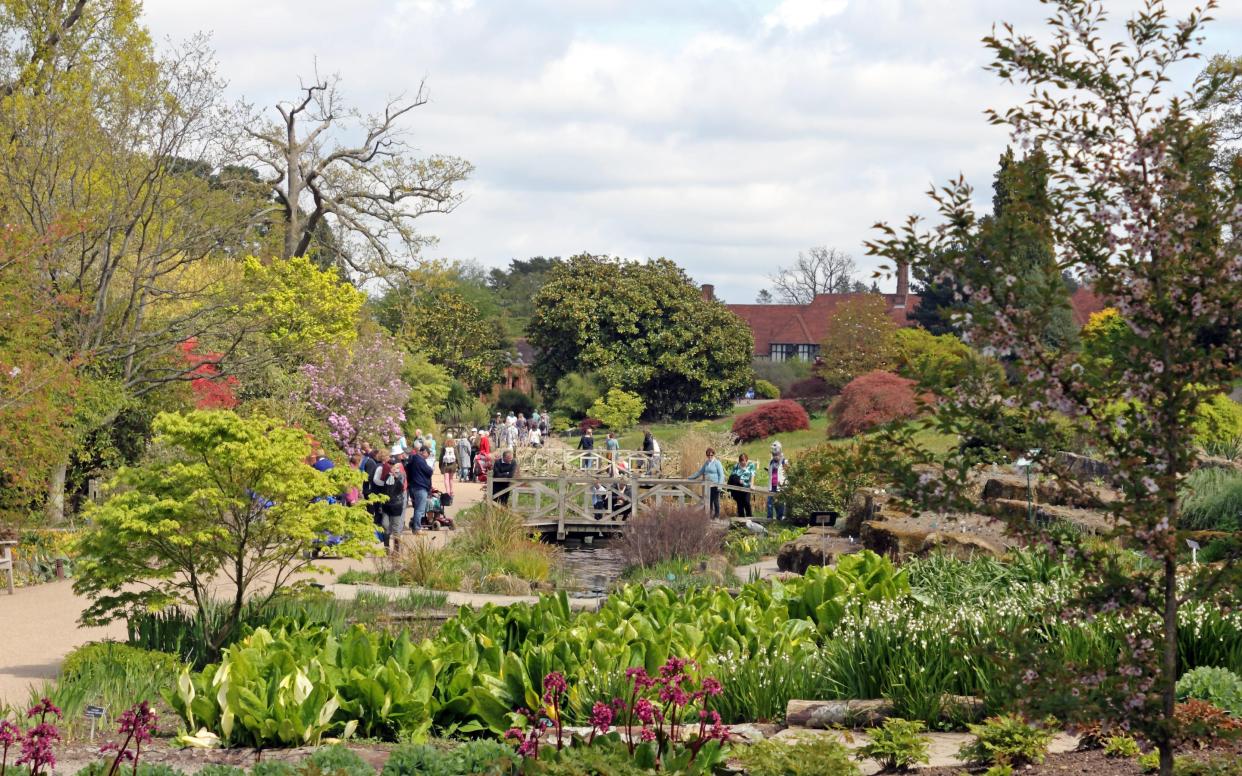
55,507
1168,678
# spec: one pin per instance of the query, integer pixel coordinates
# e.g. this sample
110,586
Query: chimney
709,291
903,283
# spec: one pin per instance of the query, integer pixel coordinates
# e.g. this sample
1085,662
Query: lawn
793,442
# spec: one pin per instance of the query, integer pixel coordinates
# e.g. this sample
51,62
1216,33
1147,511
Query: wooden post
562,493
633,496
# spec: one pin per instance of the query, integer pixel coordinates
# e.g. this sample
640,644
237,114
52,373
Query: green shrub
489,758
273,768
1186,766
1006,740
800,757
1218,686
1212,500
999,770
897,744
1121,746
766,390
216,769
88,658
620,410
101,768
1218,422
824,478
337,761
515,401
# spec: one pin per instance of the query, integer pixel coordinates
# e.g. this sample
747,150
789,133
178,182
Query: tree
620,410
764,297
219,498
358,391
821,270
860,339
643,327
930,360
516,286
369,193
1140,212
298,307
90,161
576,393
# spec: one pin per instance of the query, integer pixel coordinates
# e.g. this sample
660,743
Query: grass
679,574
743,547
385,577
491,551
1212,500
759,450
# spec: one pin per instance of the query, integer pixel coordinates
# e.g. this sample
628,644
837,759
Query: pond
592,567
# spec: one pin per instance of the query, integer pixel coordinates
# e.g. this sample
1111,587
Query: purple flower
712,686
9,733
601,716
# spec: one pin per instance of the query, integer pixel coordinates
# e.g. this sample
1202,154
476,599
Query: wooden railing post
562,493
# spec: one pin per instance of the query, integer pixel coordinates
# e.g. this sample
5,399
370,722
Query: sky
726,135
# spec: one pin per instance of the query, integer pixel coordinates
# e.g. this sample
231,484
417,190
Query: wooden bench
6,561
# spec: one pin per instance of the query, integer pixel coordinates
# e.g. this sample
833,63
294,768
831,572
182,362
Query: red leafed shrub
813,393
211,391
768,419
872,400
592,423
1200,724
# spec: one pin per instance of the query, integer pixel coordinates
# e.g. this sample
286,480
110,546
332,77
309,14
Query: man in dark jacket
505,468
418,474
368,467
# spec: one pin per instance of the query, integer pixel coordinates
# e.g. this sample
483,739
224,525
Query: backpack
450,455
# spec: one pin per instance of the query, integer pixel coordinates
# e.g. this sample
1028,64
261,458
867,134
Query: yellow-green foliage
303,306
934,361
1219,420
619,410
218,494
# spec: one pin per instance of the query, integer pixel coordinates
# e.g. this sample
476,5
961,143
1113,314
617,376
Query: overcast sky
724,134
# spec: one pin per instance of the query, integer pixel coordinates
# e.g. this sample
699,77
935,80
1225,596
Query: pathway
39,624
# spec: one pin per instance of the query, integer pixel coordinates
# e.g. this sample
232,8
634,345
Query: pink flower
601,716
712,686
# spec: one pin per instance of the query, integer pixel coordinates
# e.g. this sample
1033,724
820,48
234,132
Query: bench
6,561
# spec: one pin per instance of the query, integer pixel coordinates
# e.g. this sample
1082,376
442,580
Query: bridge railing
552,462
567,504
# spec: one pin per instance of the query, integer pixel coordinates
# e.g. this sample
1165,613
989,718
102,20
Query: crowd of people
742,474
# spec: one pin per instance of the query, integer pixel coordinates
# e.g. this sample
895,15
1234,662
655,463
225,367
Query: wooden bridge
569,504
554,461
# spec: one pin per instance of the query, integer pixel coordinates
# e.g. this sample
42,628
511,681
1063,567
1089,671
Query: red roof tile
803,324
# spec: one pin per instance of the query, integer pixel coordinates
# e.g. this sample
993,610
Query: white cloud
799,15
696,130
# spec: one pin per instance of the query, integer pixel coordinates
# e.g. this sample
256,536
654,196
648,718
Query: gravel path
39,624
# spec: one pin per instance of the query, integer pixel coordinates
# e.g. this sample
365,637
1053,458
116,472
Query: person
612,445
429,442
419,472
322,462
712,473
389,480
536,437
743,476
448,463
599,500
776,480
485,444
505,468
368,466
464,459
353,494
587,442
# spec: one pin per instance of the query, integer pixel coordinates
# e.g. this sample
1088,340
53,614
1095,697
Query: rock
1083,467
829,714
746,734
1012,487
1216,462
888,538
862,508
960,545
504,584
816,547
1088,520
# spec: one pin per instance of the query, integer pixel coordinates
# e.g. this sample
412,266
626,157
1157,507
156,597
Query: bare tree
359,200
820,270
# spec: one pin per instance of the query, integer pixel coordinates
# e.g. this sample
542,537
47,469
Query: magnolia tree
222,503
1140,215
358,391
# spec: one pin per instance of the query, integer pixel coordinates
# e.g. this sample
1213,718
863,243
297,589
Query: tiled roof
804,324
1084,302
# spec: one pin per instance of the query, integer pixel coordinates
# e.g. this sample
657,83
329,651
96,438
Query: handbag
735,480
446,499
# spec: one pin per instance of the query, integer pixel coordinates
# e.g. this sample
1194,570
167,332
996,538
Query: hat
396,450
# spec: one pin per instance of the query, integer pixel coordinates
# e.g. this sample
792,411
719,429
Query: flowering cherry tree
1143,217
358,391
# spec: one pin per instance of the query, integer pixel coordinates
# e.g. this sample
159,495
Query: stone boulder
817,547
1084,467
1013,487
890,539
962,546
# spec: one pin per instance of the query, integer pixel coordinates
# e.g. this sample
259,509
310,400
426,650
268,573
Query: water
592,567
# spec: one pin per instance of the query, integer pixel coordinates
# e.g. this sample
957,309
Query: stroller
435,517
482,465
